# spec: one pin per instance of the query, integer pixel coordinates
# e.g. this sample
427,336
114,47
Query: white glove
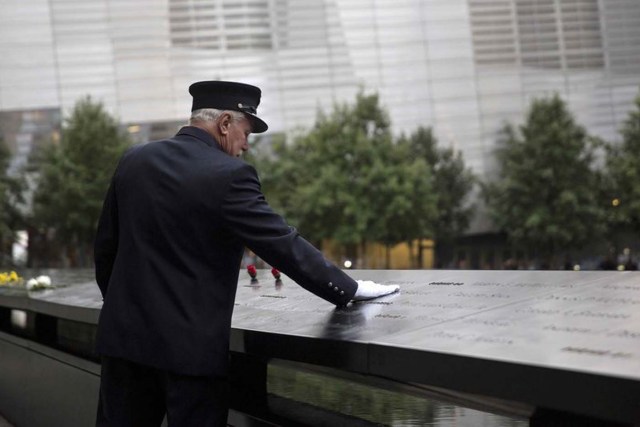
369,290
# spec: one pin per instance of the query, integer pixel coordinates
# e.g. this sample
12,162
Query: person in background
175,221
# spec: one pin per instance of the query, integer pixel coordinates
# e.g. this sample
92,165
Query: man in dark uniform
175,221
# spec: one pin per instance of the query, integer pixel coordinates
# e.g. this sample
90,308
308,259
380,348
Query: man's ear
224,122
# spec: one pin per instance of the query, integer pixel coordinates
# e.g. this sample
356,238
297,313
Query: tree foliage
546,196
5,157
10,197
405,199
623,167
346,180
452,183
75,174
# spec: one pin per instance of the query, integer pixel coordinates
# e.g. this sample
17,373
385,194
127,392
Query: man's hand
369,290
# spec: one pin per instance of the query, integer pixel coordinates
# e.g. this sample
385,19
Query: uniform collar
200,134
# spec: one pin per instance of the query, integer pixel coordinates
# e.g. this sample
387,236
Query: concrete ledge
560,342
42,387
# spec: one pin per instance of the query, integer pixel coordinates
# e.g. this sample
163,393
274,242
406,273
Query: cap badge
247,108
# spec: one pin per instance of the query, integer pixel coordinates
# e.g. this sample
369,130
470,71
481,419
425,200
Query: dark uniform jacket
175,221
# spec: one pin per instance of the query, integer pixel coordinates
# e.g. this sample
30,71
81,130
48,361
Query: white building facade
463,67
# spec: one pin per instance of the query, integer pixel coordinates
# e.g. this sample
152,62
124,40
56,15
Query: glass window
237,25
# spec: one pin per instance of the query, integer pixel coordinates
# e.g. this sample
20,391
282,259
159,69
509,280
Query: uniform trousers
134,395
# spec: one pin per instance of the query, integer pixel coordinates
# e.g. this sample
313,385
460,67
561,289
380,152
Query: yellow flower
9,278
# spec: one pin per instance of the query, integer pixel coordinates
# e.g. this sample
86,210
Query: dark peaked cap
229,96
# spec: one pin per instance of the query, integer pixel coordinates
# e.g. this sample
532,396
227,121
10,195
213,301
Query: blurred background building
463,67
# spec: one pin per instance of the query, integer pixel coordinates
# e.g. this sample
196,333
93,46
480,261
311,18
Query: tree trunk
412,259
363,254
444,250
387,256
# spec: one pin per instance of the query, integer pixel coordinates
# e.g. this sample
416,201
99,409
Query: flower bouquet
39,283
12,279
251,269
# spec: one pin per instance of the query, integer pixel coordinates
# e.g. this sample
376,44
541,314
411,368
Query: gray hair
212,114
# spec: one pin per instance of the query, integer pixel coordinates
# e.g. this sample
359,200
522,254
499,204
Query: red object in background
251,269
275,273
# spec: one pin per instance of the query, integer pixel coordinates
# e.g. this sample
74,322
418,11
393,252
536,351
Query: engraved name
487,322
532,310
479,295
574,313
524,285
445,305
597,352
570,329
622,287
473,337
634,335
390,316
604,300
596,314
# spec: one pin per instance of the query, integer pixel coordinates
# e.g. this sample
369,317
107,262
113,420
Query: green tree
74,176
622,194
5,227
546,196
344,180
407,202
452,183
10,197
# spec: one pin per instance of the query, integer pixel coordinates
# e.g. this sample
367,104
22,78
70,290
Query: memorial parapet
564,340
560,340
